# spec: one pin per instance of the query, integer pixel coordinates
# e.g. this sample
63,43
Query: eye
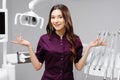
60,16
52,17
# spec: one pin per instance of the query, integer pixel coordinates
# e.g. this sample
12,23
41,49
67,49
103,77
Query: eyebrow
57,14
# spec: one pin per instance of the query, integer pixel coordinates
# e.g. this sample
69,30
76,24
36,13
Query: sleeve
79,49
40,54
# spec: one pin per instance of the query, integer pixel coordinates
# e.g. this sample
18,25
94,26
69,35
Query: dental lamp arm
19,40
95,43
33,3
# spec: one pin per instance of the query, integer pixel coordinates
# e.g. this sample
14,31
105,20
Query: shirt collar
57,36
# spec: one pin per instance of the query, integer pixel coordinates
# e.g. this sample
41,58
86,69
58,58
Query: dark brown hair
68,25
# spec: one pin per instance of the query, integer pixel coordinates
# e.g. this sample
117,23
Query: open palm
21,41
97,42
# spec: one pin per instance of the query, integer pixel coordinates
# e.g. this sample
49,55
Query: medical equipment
3,74
29,18
107,37
7,72
33,3
3,25
103,37
92,56
109,57
23,57
18,58
104,61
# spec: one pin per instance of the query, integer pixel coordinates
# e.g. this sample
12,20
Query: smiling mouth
57,25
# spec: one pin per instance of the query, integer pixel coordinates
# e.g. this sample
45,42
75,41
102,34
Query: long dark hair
68,25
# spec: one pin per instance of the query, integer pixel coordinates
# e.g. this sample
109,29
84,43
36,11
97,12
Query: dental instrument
109,58
101,54
92,57
23,57
114,56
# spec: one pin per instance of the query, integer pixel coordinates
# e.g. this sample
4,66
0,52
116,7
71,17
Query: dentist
60,47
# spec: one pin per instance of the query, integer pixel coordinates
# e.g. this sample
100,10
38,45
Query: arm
82,61
37,65
95,43
19,40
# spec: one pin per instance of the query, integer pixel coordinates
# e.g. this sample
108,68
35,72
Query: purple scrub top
55,51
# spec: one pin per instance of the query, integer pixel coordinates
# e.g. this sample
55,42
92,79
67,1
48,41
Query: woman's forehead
56,12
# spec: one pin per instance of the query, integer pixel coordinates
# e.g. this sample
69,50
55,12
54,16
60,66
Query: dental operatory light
30,18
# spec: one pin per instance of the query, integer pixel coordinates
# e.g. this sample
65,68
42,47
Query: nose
56,20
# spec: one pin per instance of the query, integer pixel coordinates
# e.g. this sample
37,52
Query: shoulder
77,38
78,41
44,37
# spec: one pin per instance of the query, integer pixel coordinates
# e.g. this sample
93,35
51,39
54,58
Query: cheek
64,23
51,22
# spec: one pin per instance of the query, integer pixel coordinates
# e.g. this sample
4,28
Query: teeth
57,25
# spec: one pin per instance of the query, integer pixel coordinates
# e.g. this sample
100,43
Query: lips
57,25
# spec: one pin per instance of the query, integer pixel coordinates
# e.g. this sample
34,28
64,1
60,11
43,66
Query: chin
57,29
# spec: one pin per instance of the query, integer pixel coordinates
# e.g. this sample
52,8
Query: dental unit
103,52
104,61
118,56
100,54
92,57
109,57
7,71
30,18
114,56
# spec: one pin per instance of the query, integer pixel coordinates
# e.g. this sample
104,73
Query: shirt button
61,59
61,71
61,43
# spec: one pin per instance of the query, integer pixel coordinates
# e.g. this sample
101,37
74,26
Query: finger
20,36
104,43
97,41
101,40
17,37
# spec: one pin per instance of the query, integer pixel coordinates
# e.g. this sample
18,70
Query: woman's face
57,20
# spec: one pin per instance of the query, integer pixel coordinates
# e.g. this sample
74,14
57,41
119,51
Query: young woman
59,48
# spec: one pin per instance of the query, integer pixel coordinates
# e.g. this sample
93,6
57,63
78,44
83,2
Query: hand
97,42
21,41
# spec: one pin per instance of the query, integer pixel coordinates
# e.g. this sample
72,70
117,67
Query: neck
60,33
